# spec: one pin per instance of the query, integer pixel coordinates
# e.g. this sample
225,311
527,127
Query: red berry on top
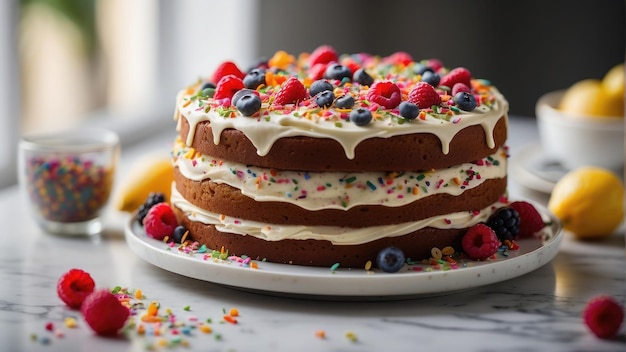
292,91
74,286
350,63
385,93
323,55
227,68
399,58
603,315
228,86
460,87
424,95
104,313
435,64
316,72
457,75
160,221
530,219
480,242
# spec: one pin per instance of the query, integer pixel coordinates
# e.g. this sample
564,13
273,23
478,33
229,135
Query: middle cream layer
337,190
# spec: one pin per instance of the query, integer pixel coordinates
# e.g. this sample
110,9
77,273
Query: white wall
9,92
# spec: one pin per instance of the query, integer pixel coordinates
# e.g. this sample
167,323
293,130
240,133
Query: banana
149,174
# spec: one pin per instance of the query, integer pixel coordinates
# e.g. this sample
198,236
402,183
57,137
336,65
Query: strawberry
323,55
227,68
385,93
292,91
603,315
480,242
460,87
316,72
530,219
228,86
160,221
457,75
74,286
104,313
399,58
424,95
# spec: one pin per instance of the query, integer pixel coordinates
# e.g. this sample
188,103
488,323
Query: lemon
153,173
589,201
583,98
613,82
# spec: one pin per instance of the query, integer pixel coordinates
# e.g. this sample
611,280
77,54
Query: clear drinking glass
68,177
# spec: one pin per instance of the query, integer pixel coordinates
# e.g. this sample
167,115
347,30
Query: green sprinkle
338,124
116,289
351,179
202,249
187,308
334,267
421,177
371,185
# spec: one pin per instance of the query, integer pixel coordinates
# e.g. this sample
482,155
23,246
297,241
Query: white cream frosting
336,235
337,190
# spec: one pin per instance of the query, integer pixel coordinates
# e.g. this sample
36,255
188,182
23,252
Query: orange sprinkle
205,329
187,103
234,312
141,329
151,319
138,294
416,190
273,172
320,334
230,319
457,181
254,265
422,115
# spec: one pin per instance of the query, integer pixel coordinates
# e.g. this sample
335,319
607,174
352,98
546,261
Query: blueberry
338,72
465,101
390,259
320,86
249,104
240,93
431,78
325,98
261,62
254,78
207,85
362,77
409,110
361,116
420,68
179,232
345,102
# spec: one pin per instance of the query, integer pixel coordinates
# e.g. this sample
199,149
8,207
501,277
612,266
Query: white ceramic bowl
578,140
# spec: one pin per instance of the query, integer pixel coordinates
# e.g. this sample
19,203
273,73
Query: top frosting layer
379,86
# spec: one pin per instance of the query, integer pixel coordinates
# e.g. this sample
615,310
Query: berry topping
480,242
317,71
431,78
179,232
360,116
420,69
104,313
459,87
457,75
345,102
465,101
390,259
160,221
153,198
325,98
323,55
254,78
225,69
424,95
505,223
385,93
603,315
74,286
362,77
338,72
292,91
228,86
320,86
409,110
248,104
530,219
399,58
240,94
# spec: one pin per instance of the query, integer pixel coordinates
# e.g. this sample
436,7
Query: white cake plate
322,282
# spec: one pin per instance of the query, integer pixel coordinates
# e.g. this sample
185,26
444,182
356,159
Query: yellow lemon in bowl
589,201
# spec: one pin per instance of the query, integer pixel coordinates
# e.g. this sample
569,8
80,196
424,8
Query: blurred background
119,63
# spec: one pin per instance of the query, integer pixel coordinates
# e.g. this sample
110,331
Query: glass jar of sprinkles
68,177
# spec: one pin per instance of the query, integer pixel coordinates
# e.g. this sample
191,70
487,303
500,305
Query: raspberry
225,69
160,221
291,91
457,75
480,242
153,198
424,95
74,286
603,315
530,219
228,86
399,58
317,71
460,87
385,93
104,313
505,223
323,55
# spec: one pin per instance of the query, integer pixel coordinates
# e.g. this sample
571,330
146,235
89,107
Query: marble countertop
539,311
